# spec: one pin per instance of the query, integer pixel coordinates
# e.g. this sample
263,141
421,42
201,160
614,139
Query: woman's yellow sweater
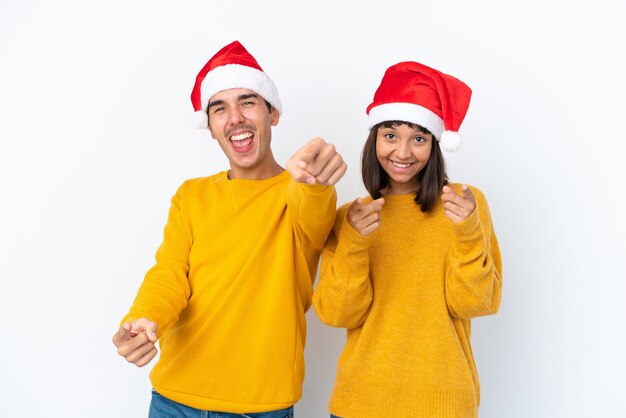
232,281
406,294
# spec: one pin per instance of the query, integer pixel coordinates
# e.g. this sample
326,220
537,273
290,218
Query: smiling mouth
401,165
242,142
241,137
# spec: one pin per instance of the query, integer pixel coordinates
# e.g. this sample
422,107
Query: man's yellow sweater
406,294
232,282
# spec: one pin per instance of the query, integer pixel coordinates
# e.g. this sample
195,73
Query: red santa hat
230,68
413,92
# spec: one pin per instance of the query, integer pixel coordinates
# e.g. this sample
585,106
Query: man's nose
235,116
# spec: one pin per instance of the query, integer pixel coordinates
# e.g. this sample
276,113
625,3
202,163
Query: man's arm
163,294
311,197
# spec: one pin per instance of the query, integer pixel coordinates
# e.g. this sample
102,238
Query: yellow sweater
406,294
232,281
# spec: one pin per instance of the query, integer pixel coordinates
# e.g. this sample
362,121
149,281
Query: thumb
300,174
297,166
144,325
378,203
151,331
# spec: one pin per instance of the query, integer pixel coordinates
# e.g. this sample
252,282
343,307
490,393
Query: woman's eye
390,137
420,139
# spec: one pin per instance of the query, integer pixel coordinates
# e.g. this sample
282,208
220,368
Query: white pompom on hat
412,92
230,68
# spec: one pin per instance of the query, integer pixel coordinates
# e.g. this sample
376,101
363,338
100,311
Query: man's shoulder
193,187
204,181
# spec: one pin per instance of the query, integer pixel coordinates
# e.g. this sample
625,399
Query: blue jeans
161,407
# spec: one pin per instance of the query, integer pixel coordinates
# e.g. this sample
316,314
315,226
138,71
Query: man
233,277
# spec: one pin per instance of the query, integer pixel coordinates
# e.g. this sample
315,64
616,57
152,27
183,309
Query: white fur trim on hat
407,112
233,76
450,141
200,119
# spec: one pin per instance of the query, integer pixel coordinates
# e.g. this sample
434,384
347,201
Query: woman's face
402,151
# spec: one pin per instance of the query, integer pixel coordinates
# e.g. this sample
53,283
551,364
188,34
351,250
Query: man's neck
257,173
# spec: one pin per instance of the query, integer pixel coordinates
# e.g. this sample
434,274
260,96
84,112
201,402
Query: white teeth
399,165
241,137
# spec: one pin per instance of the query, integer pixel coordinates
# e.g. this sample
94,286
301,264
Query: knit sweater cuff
469,233
356,242
313,189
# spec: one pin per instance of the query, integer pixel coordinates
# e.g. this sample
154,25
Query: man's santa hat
231,67
413,92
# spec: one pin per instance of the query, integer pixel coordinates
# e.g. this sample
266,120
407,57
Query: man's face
242,125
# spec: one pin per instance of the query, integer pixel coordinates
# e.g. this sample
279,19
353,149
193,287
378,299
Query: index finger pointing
122,334
305,157
308,152
467,193
125,329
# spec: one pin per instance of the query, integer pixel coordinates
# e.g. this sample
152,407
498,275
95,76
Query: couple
404,269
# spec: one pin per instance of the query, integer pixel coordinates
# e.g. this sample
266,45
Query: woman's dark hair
431,178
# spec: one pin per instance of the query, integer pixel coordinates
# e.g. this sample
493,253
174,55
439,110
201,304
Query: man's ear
275,116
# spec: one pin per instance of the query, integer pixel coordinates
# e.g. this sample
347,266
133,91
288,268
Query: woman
407,268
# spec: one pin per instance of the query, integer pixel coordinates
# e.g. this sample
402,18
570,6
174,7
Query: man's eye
218,109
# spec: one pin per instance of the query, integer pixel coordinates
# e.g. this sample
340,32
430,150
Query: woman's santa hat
413,92
231,67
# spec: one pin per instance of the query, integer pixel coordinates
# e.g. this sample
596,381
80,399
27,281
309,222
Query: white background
96,134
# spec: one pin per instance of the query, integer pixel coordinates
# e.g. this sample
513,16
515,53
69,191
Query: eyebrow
248,96
415,126
241,97
215,103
